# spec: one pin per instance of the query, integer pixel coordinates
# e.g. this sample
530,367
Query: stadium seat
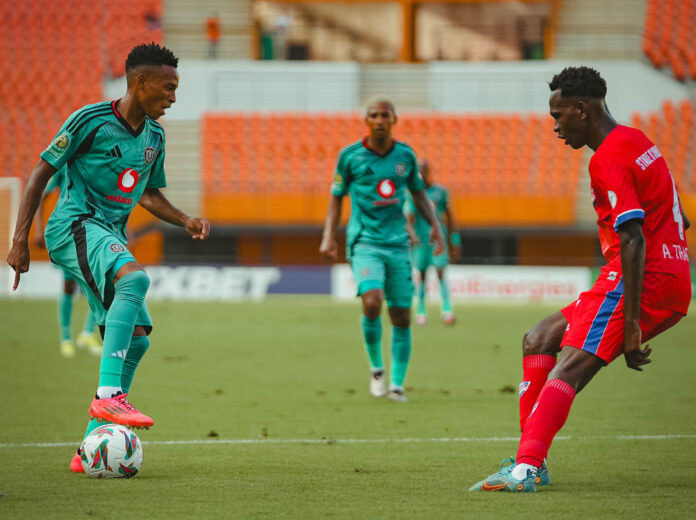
251,159
668,36
48,73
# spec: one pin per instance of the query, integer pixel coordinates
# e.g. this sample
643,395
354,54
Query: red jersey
630,180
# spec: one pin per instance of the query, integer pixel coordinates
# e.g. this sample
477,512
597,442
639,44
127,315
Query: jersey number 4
676,210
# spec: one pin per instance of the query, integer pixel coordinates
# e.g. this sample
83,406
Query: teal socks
445,294
90,323
372,332
136,351
128,299
401,349
65,305
421,297
401,353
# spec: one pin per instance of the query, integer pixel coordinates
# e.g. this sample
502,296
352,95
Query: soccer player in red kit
644,289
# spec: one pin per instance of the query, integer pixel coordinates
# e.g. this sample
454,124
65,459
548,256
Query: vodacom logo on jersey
386,189
127,180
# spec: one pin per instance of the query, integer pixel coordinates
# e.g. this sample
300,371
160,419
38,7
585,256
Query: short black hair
150,54
579,82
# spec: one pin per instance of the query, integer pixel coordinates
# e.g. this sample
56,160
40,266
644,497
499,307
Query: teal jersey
377,186
440,199
107,165
57,181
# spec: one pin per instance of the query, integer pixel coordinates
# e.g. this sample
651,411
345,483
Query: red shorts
596,320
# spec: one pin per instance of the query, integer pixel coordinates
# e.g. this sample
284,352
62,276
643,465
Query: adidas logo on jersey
114,152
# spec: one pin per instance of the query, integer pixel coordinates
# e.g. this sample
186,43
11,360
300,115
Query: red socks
546,419
536,369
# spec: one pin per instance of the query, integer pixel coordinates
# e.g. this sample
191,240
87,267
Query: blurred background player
376,171
87,339
114,152
644,288
422,251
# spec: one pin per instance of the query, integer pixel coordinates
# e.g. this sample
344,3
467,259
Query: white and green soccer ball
111,451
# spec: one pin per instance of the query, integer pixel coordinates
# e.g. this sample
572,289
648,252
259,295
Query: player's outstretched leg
110,403
65,306
539,349
574,370
87,338
548,418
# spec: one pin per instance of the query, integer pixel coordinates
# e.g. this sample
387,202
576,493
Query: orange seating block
277,168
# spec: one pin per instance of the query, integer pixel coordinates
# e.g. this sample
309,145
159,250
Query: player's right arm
53,183
18,258
62,148
339,188
329,244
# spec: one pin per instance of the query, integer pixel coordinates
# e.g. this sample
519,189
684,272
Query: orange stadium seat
673,129
48,73
668,36
495,165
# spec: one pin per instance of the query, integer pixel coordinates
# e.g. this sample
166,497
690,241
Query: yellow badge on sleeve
59,144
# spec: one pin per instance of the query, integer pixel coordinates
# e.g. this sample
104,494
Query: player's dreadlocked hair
580,82
150,54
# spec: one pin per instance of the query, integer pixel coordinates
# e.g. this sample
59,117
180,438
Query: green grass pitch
289,375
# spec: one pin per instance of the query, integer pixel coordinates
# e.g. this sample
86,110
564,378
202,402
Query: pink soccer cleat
119,411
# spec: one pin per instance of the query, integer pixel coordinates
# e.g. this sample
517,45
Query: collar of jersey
122,120
367,147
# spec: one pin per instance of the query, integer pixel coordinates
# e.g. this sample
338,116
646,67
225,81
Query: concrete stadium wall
523,86
519,86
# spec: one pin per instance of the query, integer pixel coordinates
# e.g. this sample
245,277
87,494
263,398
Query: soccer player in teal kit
114,154
376,171
422,251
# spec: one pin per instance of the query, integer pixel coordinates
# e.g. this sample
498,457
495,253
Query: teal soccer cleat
503,480
542,477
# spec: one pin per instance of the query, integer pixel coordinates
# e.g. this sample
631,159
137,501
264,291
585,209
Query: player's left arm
425,208
632,243
156,203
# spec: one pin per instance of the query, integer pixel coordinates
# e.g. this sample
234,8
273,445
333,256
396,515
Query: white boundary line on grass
367,441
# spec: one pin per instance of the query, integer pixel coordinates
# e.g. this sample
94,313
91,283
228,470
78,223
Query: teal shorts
422,257
92,258
385,268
